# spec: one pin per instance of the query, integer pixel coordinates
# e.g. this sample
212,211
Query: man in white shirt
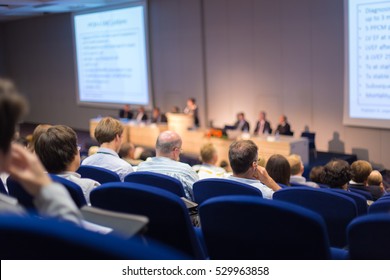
243,157
109,134
209,158
297,170
166,161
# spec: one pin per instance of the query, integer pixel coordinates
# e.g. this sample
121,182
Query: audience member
109,133
93,150
141,115
243,157
375,184
158,117
283,127
297,169
126,112
192,109
261,161
225,165
316,174
58,151
39,129
209,158
51,199
241,124
126,152
263,126
175,110
336,174
360,170
279,169
166,161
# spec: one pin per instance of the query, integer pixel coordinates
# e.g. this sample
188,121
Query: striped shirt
181,171
109,159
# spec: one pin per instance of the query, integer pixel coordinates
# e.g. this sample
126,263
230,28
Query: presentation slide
112,56
368,64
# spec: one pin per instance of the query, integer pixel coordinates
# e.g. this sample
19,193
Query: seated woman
279,169
57,148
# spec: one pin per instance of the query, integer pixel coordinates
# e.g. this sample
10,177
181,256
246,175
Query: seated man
375,184
166,161
51,199
262,126
126,112
243,157
58,151
209,158
158,117
127,153
360,170
108,133
283,127
336,174
141,115
297,170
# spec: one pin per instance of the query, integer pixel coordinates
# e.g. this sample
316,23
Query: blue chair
157,180
361,201
380,206
102,175
2,188
37,239
368,237
169,222
16,190
336,209
311,136
208,188
366,194
245,227
74,190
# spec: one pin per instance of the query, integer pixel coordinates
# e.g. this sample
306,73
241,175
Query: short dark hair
57,148
279,169
316,174
336,173
242,154
12,107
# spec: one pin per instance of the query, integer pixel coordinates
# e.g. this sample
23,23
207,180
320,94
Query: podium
180,123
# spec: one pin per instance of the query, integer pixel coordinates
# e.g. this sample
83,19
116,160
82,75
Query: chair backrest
157,180
208,188
245,227
2,188
368,237
33,238
169,221
366,194
102,175
311,136
16,190
336,209
361,201
380,206
74,190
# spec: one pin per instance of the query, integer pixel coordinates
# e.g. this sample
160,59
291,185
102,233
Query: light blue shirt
266,191
181,171
109,159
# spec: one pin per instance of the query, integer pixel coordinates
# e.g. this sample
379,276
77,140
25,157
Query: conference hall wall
281,56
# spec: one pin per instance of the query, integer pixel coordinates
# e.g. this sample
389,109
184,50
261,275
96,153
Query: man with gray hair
166,161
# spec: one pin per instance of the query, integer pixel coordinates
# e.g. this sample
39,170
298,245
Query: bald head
167,145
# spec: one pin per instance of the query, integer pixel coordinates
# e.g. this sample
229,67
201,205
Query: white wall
281,56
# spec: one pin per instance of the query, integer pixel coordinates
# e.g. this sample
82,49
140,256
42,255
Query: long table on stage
146,134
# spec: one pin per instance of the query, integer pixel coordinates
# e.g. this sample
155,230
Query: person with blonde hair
109,134
375,184
209,158
297,169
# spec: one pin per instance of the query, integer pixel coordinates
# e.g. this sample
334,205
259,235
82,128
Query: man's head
168,145
240,116
360,170
316,174
336,174
279,169
191,101
39,129
282,119
262,116
208,154
12,108
375,178
57,149
156,112
126,150
243,155
109,131
296,164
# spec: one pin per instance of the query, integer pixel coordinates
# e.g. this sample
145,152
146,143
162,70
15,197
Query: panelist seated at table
241,124
157,116
283,127
263,126
141,115
126,112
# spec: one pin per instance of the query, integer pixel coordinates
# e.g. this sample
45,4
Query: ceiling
16,9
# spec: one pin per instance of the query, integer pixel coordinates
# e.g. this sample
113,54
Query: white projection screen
367,63
112,56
